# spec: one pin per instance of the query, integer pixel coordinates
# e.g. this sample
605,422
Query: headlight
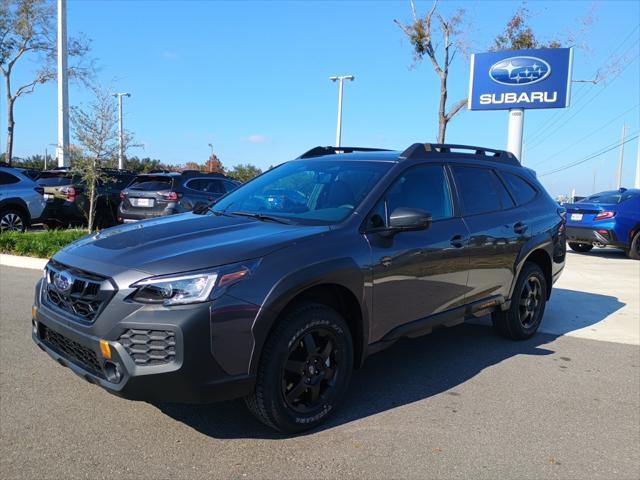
191,287
176,290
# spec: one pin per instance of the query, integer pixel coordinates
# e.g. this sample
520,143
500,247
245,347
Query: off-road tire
268,402
517,322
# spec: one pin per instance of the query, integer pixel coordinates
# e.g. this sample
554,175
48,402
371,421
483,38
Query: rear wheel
304,371
580,247
522,319
12,220
634,251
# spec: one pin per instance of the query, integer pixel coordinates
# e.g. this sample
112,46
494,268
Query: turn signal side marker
105,349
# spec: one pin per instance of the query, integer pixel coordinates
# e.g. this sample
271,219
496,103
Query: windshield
315,192
609,197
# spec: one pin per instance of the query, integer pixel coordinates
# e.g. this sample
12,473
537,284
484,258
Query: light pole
211,145
62,150
341,80
120,130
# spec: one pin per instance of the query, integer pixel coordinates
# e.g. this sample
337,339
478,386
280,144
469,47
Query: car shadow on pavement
409,371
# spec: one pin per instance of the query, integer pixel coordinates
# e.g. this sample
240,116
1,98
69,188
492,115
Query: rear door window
478,189
522,191
229,186
150,183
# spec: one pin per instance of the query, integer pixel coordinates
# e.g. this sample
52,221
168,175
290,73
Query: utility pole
621,160
120,130
45,159
63,88
341,80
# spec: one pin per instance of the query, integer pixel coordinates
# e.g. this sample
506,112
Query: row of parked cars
58,199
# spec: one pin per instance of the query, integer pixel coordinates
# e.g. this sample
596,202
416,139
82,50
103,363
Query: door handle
520,228
457,241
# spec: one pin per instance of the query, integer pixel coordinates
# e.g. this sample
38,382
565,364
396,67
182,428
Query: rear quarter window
8,179
521,190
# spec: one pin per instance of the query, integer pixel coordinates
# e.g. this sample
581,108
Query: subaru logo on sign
519,71
62,281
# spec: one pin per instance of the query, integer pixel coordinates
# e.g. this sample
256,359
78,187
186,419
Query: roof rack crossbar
424,150
322,151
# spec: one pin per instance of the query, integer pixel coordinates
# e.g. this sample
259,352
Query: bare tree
96,133
421,33
28,30
518,35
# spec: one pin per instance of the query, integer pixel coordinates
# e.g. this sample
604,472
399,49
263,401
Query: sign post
517,80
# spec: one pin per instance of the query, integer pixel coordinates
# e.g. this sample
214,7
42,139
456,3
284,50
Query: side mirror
404,218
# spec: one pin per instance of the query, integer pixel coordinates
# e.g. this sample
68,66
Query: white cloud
170,55
256,138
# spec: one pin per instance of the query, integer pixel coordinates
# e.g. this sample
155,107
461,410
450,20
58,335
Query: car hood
181,243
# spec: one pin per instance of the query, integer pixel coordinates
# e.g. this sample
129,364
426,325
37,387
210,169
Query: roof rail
322,151
427,150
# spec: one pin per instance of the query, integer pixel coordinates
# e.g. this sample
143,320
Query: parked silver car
21,200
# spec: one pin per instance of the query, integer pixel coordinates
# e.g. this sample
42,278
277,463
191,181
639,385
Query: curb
32,263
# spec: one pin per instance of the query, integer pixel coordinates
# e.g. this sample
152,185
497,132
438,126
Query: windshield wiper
262,217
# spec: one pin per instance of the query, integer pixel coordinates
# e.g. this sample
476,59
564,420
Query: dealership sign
504,80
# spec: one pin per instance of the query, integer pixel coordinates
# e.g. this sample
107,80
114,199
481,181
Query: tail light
563,215
170,195
121,195
604,215
40,190
70,192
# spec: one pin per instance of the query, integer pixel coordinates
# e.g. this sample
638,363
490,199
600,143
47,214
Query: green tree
96,134
28,32
244,172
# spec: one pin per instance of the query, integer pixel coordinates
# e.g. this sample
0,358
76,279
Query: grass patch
38,244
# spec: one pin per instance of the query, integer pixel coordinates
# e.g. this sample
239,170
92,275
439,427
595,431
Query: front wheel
581,247
522,319
304,371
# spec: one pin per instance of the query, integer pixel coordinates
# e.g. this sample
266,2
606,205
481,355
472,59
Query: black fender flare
343,272
540,242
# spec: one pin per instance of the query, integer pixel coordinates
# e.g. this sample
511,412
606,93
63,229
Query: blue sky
252,78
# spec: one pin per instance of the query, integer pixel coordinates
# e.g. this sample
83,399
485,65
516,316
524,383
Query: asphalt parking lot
460,403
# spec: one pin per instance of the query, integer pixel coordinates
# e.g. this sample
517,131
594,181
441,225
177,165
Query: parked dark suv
277,301
68,203
165,193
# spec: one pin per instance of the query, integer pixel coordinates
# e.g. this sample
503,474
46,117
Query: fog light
34,326
105,349
112,372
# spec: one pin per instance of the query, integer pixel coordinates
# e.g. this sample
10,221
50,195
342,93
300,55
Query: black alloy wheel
309,374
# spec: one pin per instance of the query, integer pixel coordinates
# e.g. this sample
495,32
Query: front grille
86,295
149,347
71,350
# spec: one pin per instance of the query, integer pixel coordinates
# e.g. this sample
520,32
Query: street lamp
340,79
211,145
120,130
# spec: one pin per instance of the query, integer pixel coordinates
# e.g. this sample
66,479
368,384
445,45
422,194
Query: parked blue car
606,219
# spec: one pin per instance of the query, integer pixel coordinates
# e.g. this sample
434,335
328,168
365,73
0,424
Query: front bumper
194,375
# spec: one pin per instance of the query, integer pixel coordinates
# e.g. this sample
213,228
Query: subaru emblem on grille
62,281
